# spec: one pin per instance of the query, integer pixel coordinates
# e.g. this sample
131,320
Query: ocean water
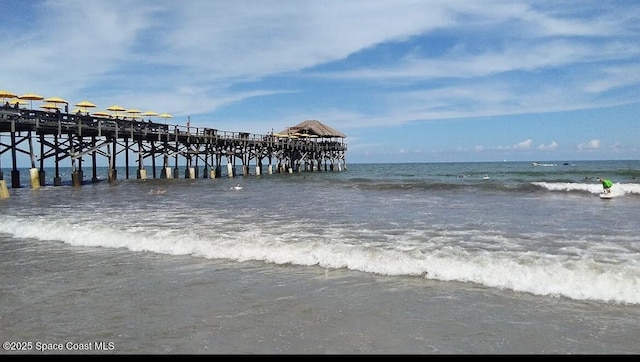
377,258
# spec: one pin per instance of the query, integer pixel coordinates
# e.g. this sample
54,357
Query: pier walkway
76,138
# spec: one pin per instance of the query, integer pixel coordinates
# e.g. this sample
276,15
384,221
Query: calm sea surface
377,258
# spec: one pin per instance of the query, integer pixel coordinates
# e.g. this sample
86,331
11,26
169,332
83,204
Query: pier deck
76,138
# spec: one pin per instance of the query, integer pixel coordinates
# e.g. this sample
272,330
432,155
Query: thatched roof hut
312,128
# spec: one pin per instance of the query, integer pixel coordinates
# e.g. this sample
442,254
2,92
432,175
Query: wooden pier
77,138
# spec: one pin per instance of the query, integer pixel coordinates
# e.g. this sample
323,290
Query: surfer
606,184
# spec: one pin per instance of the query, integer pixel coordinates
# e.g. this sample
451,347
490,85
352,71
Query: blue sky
405,80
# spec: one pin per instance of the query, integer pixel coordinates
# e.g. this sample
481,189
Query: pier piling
91,139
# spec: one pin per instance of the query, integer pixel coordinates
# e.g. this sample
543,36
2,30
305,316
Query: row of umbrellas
52,103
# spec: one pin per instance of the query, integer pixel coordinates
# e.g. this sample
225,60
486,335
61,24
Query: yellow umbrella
49,106
149,114
4,94
84,105
165,116
116,108
101,114
135,113
18,101
31,97
56,100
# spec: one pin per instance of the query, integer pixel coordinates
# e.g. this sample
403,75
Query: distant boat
485,177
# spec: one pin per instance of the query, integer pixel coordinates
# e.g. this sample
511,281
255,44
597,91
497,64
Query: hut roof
313,128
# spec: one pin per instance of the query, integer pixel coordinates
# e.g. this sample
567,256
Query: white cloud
524,145
551,146
591,145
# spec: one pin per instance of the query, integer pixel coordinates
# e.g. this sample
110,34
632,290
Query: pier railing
78,135
88,125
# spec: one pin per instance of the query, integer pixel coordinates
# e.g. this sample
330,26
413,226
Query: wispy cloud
591,145
360,64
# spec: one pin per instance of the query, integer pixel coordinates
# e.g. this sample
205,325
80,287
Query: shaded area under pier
55,139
